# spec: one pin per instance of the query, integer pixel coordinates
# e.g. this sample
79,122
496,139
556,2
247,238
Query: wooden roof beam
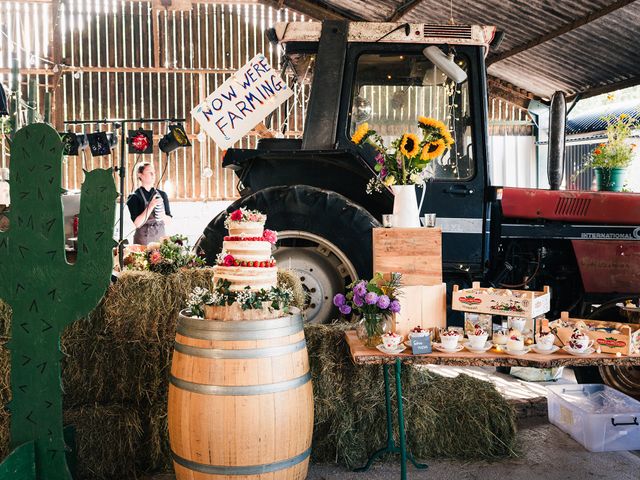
559,31
403,10
500,89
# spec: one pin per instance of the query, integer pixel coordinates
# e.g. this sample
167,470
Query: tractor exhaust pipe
557,124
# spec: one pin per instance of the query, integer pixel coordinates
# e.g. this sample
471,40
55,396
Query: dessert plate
517,353
486,347
553,349
440,348
571,351
399,349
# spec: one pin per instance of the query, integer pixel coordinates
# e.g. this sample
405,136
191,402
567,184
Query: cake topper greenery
276,298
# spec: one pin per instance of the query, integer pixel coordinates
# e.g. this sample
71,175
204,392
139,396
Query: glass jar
371,327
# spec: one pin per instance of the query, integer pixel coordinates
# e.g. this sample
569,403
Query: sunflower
448,139
425,122
409,145
433,150
360,134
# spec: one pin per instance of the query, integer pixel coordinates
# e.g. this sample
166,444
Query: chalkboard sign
421,344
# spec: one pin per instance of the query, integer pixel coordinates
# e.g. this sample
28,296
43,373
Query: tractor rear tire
625,379
332,236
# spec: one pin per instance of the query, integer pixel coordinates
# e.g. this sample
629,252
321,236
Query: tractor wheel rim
323,269
625,379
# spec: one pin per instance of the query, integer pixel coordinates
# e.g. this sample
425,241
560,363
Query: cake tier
248,250
256,278
246,229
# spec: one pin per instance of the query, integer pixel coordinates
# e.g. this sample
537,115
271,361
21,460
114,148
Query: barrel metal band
240,390
238,325
241,470
235,335
240,354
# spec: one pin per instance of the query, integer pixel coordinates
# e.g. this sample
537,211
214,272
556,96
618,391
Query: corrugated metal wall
125,59
575,155
512,149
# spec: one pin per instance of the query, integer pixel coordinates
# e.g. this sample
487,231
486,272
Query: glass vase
371,327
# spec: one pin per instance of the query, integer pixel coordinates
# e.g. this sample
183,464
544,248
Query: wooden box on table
611,337
500,301
416,253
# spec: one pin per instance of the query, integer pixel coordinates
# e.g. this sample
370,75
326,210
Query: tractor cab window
392,91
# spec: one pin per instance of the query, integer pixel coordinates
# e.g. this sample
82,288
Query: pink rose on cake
228,261
236,216
270,236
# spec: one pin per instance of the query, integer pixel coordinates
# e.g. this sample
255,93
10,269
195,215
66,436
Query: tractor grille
447,31
572,207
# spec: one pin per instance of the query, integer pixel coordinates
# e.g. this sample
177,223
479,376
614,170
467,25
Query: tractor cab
385,74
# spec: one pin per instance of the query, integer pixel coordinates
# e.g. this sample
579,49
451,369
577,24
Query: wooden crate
626,340
500,301
421,305
416,253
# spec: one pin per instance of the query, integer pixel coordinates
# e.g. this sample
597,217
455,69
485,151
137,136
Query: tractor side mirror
444,63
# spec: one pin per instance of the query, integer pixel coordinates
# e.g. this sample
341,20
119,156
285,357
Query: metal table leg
391,446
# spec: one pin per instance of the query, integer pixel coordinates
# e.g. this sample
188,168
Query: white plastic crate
599,417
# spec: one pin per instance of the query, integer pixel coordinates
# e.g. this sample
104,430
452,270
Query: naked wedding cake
245,260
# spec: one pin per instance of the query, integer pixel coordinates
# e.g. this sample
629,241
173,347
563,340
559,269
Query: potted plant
402,165
374,301
610,160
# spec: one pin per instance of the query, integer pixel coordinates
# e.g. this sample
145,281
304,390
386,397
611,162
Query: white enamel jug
406,213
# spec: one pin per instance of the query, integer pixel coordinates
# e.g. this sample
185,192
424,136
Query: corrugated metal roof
595,120
600,55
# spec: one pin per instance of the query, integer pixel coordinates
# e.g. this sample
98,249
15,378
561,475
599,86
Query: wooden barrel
240,400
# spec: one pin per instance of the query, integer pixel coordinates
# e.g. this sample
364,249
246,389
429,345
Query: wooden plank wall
126,59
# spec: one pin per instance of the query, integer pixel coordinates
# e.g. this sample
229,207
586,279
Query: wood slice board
362,355
416,253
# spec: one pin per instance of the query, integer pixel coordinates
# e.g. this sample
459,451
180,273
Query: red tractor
585,245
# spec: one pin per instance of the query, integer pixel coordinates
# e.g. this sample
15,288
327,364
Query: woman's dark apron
150,231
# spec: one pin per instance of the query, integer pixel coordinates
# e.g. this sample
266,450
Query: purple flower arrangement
369,298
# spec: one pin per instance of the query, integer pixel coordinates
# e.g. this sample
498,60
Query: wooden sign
242,102
416,253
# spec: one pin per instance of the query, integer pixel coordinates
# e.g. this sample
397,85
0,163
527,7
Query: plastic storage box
600,418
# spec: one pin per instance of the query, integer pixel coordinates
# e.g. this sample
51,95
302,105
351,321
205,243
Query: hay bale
143,305
290,279
5,418
446,417
108,439
5,319
5,372
103,371
156,442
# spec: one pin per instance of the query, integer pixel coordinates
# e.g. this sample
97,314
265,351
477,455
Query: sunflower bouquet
404,162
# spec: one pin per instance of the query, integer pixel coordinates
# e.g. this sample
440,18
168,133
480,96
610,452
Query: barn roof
585,47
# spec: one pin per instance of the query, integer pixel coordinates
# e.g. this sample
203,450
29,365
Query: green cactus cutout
45,292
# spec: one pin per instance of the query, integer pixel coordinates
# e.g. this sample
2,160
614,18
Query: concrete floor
547,452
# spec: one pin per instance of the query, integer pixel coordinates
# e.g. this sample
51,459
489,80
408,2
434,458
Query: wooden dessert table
363,355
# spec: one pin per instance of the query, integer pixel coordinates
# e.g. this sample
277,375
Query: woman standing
149,207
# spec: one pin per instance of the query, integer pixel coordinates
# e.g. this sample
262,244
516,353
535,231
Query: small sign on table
421,344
